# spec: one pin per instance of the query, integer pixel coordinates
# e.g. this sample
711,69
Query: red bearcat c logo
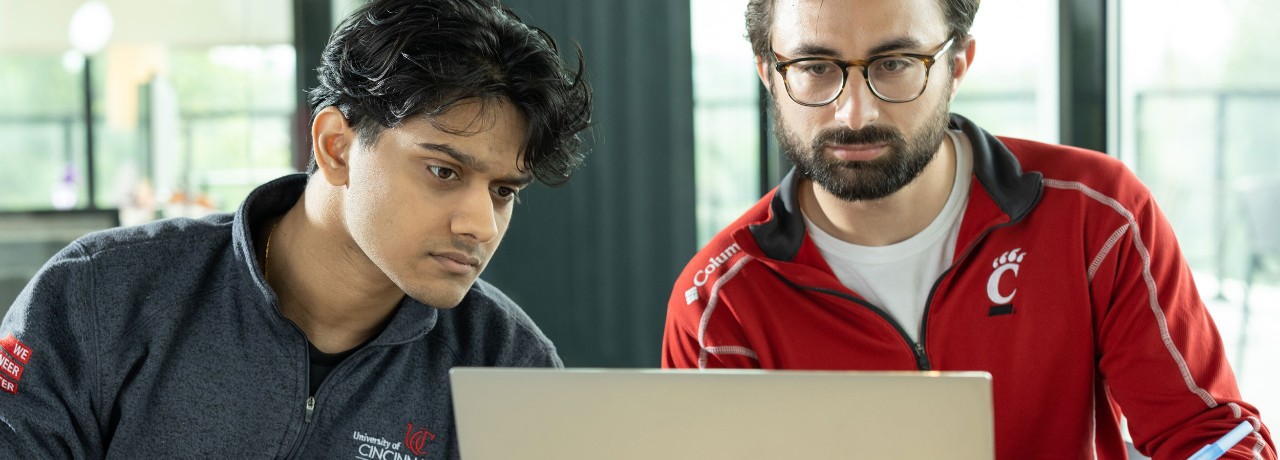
417,441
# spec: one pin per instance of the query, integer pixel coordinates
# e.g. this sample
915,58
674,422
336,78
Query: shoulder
161,259
1062,159
119,276
1092,176
727,246
102,284
711,275
165,236
718,262
120,256
712,263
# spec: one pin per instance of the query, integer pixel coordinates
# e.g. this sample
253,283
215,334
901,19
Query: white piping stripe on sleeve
744,351
711,308
1106,250
1257,446
1153,299
1257,425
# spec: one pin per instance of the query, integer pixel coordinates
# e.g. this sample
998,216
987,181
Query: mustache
869,135
468,248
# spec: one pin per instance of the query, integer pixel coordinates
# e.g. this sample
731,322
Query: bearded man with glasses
908,238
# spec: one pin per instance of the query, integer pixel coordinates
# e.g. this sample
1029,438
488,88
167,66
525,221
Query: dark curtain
312,24
593,261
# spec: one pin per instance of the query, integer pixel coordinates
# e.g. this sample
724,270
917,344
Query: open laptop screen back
649,414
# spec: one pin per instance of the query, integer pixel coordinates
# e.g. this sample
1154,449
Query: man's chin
444,298
856,185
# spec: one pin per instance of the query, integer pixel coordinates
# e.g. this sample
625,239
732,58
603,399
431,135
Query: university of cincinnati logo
1007,262
416,441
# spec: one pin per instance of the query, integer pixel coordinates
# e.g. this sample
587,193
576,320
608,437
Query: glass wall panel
726,115
1012,85
192,105
1199,108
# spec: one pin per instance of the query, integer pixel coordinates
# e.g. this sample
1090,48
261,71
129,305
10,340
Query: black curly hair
397,59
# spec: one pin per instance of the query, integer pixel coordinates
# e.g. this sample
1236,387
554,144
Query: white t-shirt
898,277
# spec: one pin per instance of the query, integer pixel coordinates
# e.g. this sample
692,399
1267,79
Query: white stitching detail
1106,249
1153,300
711,307
1256,424
731,350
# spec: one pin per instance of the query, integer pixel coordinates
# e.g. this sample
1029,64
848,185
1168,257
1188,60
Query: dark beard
903,160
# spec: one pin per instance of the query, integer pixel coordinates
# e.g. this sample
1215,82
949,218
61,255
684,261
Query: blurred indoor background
151,109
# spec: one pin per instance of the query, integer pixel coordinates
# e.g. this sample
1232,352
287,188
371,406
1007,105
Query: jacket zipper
917,349
309,406
928,303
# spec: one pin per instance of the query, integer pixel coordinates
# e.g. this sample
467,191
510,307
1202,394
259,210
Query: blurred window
193,104
1199,113
726,115
1012,85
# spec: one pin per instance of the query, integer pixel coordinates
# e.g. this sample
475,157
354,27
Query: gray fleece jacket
164,341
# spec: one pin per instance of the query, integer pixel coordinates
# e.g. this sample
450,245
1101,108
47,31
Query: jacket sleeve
685,341
47,409
1159,351
679,346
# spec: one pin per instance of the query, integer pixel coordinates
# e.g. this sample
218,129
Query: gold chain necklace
266,256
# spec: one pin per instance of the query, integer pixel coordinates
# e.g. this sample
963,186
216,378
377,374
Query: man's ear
765,71
961,63
331,140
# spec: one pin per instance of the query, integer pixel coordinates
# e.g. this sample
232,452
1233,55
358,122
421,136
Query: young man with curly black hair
319,320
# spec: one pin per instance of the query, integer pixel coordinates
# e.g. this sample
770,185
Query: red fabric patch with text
15,355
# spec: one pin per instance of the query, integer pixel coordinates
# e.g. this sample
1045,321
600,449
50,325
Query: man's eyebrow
459,156
521,181
470,161
811,49
896,44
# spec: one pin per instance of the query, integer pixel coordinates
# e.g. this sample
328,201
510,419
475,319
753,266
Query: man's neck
888,220
325,285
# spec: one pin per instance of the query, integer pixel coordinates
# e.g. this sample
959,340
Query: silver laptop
741,414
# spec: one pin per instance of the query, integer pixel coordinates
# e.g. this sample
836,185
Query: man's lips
857,152
457,262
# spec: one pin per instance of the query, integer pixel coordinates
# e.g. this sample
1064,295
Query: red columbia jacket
1067,286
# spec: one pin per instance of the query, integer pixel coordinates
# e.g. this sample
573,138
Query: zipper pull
311,407
922,360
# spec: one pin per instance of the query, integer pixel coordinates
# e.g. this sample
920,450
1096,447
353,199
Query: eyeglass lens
894,78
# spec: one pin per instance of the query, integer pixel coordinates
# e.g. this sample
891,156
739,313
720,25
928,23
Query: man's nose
475,216
857,106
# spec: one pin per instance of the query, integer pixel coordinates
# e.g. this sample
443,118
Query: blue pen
1215,450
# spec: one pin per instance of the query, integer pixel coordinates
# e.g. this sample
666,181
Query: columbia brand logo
15,355
713,264
1008,262
691,295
